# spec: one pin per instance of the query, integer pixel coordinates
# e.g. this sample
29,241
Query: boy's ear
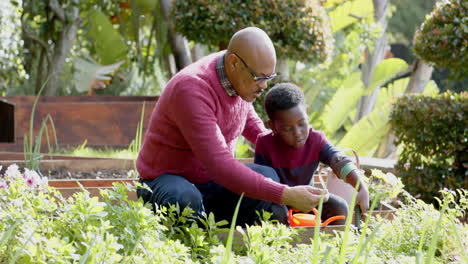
270,125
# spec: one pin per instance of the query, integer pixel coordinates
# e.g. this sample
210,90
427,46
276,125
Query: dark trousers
212,197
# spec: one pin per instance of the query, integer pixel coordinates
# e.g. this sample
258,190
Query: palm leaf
350,12
87,70
344,100
431,88
386,70
365,136
109,44
394,90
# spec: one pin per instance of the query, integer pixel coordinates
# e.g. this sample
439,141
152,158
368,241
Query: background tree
58,35
407,16
300,30
443,37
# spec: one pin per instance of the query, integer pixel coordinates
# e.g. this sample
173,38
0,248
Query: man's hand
303,197
362,198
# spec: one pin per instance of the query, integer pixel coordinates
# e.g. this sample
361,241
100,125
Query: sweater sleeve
197,123
253,126
334,158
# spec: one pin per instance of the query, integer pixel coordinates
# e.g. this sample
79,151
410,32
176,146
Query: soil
63,173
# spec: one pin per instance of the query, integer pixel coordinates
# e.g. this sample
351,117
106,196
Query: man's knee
184,197
266,171
171,190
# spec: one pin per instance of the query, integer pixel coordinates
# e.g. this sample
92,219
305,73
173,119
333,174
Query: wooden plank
29,99
93,192
102,121
78,165
88,183
7,155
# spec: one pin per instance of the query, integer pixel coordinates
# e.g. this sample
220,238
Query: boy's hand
303,197
362,198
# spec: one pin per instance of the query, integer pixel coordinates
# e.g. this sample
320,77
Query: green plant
442,38
107,152
432,131
32,145
383,187
135,145
37,225
299,31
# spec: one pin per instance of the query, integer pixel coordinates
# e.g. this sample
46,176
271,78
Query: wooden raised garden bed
100,120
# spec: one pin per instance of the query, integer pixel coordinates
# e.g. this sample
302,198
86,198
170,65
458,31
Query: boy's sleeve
340,163
261,153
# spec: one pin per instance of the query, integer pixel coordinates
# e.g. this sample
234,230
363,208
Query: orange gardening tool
304,220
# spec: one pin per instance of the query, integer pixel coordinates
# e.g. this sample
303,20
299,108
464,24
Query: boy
294,149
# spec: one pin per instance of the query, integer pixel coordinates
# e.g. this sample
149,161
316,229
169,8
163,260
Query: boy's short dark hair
283,96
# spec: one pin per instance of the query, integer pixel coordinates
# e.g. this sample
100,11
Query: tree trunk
387,148
367,103
422,73
179,44
62,47
282,69
198,51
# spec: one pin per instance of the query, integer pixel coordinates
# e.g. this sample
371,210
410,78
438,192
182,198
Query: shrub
299,31
433,132
443,37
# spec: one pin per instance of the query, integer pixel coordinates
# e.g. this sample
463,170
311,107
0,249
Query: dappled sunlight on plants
38,225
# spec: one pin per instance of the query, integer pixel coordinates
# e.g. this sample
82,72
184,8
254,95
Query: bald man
187,153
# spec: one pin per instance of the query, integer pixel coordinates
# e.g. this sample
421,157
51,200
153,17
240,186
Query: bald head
255,47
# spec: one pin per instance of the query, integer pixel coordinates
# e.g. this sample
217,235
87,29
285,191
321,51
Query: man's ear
231,60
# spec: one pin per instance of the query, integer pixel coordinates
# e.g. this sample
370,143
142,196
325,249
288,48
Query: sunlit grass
106,152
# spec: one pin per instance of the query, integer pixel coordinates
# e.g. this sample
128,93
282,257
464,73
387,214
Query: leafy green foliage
12,71
32,144
415,228
433,133
365,136
348,12
442,38
102,33
386,70
383,186
299,31
37,225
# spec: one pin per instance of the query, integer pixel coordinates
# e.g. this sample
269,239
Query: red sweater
193,132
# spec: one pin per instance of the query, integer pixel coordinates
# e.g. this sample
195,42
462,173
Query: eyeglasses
255,77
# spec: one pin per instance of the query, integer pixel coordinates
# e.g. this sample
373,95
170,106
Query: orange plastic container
304,220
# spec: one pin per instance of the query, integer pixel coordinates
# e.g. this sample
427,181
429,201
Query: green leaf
87,70
431,88
109,44
342,103
394,90
366,134
386,70
348,13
